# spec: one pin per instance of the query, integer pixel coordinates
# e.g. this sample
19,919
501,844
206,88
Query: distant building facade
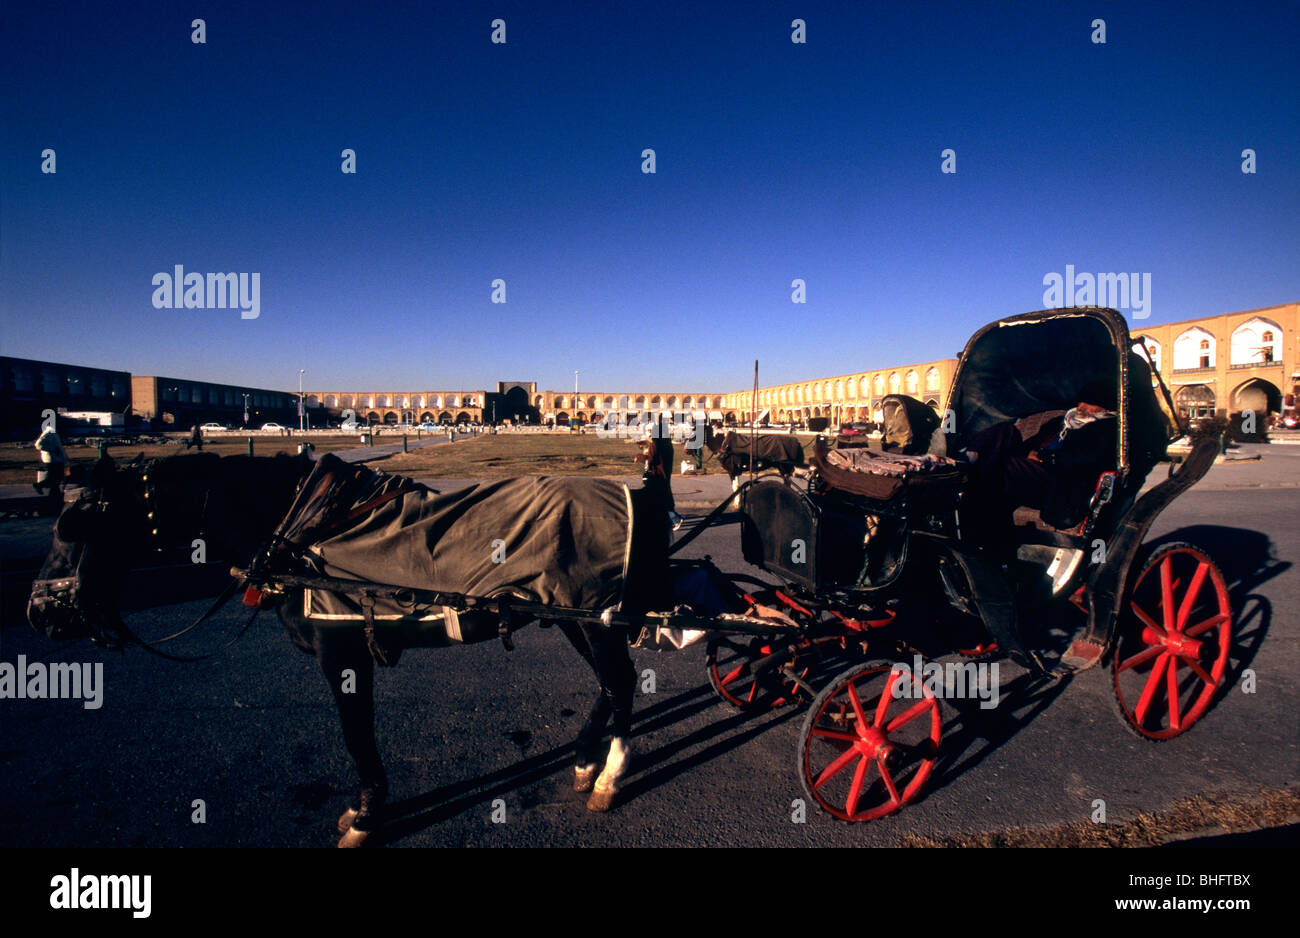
1224,364
28,388
180,403
1230,363
845,398
515,401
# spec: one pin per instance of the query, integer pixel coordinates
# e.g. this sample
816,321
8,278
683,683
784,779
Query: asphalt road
253,735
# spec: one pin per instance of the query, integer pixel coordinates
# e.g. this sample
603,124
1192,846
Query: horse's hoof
602,799
346,819
353,838
584,777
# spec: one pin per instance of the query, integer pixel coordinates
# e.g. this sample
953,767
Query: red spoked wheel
743,673
1172,642
863,752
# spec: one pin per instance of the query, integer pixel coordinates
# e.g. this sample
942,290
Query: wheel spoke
732,675
1205,626
1175,718
1146,619
1167,592
835,767
1199,671
1149,691
855,790
882,705
835,734
857,707
889,779
1189,598
920,707
1142,657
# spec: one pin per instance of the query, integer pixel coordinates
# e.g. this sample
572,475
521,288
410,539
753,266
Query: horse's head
128,512
711,439
152,507
96,536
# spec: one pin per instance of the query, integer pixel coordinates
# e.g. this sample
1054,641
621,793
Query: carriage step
1081,656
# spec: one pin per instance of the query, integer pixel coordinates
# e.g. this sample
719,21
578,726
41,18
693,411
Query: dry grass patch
1208,814
506,455
19,461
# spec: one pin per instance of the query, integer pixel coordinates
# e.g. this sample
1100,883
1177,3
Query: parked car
272,426
212,426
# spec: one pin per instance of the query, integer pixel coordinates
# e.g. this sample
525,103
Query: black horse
236,505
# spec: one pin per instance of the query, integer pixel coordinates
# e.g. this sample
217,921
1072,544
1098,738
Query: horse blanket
769,451
565,541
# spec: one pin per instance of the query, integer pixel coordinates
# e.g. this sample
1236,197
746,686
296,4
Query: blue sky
775,161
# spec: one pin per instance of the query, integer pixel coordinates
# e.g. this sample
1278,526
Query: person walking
54,463
695,444
657,454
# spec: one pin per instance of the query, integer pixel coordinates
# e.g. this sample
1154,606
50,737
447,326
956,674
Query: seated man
1049,461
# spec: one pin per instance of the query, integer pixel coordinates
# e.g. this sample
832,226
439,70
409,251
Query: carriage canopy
1042,361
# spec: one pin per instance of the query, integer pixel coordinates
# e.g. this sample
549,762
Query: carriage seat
886,476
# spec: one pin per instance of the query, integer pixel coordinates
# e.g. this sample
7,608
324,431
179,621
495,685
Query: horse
236,505
769,451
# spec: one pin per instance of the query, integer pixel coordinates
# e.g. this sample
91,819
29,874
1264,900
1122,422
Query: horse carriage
873,564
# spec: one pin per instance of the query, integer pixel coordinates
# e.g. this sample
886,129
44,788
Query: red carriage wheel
1172,642
732,673
864,753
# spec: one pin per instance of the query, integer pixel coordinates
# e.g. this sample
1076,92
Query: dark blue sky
775,161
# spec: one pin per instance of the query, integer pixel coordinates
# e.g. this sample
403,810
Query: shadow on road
650,769
1246,560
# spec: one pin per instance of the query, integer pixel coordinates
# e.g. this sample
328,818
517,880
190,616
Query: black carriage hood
1041,361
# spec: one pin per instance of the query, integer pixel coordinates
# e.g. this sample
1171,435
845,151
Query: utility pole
302,410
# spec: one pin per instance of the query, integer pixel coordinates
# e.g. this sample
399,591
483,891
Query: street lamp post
302,411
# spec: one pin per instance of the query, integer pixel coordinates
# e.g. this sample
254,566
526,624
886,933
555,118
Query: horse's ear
78,522
102,471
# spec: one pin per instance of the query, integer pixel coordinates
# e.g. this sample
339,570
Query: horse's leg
617,683
588,746
735,484
346,663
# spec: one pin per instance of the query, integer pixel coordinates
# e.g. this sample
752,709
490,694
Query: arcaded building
1225,364
845,398
1229,363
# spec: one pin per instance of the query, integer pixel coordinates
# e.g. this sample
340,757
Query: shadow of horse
652,768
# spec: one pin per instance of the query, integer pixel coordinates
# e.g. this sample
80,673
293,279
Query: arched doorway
515,407
1257,395
1194,401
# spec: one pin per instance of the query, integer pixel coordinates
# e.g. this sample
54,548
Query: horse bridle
126,636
